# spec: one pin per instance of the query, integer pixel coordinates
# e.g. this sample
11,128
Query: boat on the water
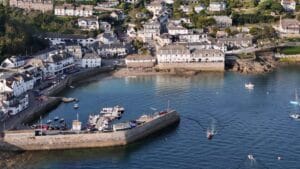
295,116
76,106
67,100
296,101
49,121
56,118
251,157
210,134
249,86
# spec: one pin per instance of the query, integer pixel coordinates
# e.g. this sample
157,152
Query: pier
27,139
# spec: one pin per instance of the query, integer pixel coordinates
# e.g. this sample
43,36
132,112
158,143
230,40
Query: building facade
289,5
289,26
91,60
90,23
71,10
41,5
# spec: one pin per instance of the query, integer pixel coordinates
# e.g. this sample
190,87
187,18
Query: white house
176,29
182,54
88,23
199,8
13,105
193,38
223,21
289,26
58,64
163,39
59,39
139,61
156,7
71,10
289,5
216,6
150,29
13,62
108,38
16,83
131,1
112,50
91,60
75,50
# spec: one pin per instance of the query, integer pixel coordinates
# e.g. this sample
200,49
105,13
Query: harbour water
246,121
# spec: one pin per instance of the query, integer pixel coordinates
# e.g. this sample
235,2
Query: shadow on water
36,159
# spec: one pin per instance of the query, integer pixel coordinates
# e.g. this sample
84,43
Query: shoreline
30,114
53,99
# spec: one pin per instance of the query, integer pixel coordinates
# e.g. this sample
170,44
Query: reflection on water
246,122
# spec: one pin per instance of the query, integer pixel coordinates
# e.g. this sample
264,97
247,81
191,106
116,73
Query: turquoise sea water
247,122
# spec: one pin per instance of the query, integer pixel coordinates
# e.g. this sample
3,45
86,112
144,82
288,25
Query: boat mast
296,95
41,125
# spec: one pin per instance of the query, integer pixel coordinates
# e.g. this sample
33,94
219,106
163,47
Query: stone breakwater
26,139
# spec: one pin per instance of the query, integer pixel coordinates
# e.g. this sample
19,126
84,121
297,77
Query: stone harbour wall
209,66
26,140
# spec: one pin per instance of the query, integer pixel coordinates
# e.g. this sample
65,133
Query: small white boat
295,116
249,86
72,87
76,106
250,157
67,100
49,121
56,118
295,102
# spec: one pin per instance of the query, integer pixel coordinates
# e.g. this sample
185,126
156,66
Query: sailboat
296,101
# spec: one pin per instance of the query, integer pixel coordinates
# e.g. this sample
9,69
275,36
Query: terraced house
41,5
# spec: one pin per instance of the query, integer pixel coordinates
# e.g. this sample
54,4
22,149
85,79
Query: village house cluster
21,75
167,43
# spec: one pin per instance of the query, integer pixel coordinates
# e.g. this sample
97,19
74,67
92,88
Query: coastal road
255,49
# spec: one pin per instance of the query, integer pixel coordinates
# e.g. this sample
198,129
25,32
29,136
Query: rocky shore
124,72
260,64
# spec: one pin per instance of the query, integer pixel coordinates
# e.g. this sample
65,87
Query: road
254,49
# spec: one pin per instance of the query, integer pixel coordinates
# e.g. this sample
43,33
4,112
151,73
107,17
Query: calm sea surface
247,122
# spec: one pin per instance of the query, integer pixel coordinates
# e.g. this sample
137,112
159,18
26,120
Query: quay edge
25,140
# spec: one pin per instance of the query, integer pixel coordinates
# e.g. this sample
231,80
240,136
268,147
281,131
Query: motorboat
249,86
49,121
295,116
56,118
251,157
296,101
67,100
76,106
61,120
209,135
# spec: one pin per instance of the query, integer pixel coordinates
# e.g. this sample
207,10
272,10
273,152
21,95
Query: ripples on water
246,122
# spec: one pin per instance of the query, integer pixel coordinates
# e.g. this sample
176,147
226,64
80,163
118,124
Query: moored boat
295,116
296,101
67,100
209,135
76,106
249,85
